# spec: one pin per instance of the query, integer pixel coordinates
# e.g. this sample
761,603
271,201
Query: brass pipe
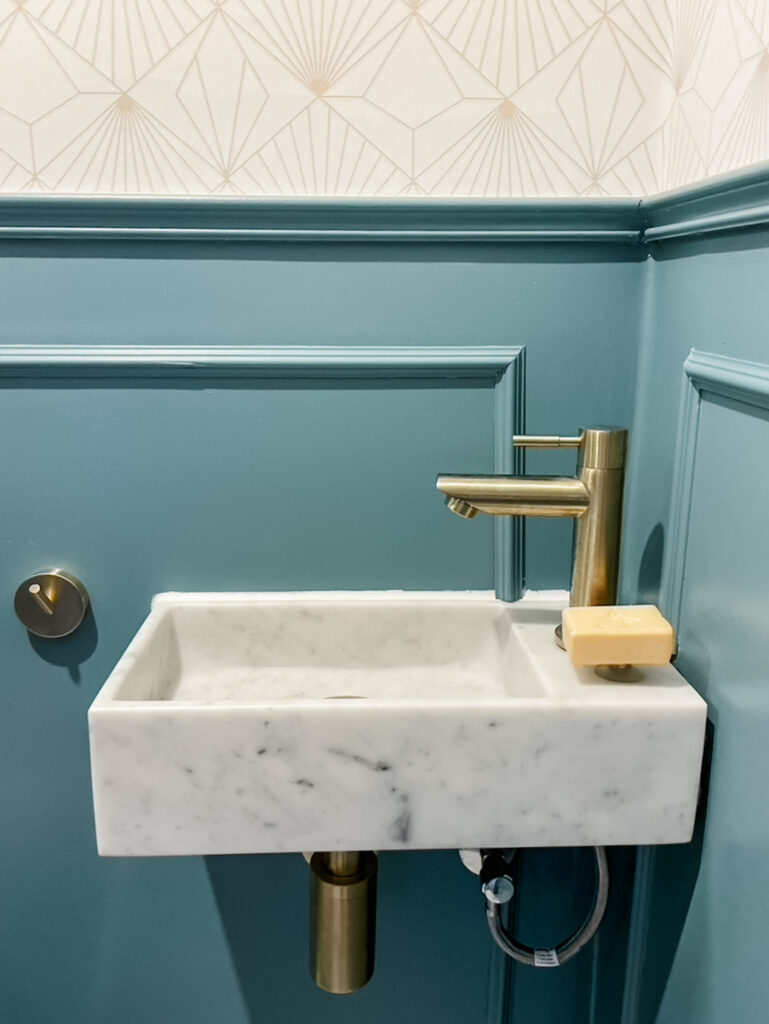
343,863
596,540
601,468
342,920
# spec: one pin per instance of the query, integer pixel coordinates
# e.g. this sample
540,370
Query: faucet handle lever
546,441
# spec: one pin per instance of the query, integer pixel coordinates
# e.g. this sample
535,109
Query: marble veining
456,722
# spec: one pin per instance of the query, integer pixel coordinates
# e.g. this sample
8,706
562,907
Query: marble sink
277,722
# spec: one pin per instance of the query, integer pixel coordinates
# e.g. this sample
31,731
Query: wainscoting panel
699,920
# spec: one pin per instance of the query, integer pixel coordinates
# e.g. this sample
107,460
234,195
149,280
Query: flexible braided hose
568,949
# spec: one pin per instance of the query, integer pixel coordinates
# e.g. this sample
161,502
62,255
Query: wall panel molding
705,375
501,368
638,933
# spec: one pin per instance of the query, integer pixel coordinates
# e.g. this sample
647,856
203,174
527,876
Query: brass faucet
593,497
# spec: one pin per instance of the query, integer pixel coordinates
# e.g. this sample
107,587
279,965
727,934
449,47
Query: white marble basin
258,723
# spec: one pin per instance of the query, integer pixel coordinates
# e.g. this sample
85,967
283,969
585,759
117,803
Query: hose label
546,958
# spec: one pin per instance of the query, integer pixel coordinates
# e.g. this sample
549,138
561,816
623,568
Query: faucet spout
593,498
515,495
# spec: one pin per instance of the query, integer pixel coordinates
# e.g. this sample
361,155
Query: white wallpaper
380,97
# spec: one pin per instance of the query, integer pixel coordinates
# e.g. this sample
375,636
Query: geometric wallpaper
380,97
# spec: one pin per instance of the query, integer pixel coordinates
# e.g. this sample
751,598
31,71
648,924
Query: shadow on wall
69,651
673,877
333,252
674,869
260,902
433,945
650,569
747,239
554,888
432,957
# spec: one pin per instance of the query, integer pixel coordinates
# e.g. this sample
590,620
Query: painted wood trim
107,361
638,933
232,235
498,1004
725,203
749,217
501,366
747,383
738,379
680,510
704,374
225,220
509,419
733,201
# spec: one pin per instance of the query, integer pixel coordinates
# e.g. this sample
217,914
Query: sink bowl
262,723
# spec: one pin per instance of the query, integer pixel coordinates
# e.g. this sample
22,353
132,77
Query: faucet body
593,498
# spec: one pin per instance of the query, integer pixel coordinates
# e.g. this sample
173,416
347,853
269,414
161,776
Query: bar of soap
633,634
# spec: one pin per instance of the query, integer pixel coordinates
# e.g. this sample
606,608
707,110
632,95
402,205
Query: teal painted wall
146,486
572,306
704,916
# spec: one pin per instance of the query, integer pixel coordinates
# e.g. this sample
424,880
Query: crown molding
239,221
726,203
730,202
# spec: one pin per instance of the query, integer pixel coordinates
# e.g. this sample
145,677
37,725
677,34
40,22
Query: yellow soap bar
618,635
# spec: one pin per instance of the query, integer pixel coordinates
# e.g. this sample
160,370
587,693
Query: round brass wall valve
51,604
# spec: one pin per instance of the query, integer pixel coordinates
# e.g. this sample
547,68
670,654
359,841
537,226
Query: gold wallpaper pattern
459,98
